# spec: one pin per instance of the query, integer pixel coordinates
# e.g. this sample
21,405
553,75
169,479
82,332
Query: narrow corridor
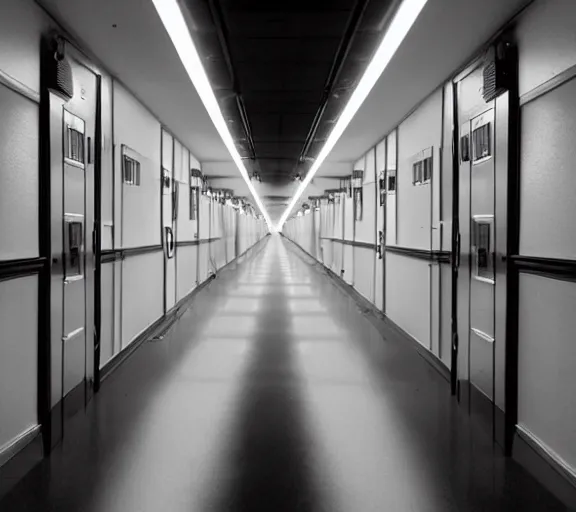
274,392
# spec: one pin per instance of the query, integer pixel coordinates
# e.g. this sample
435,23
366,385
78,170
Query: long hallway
274,392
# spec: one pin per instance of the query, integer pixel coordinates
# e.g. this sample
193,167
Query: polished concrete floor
274,393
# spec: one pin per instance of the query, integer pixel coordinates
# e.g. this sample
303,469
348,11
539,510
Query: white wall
408,295
548,174
107,348
546,356
391,198
419,132
546,42
18,358
365,229
136,128
18,176
142,294
21,25
107,164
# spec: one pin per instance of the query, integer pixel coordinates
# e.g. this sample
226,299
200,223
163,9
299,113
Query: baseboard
19,459
383,323
545,466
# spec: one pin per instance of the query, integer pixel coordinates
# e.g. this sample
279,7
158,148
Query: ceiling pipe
222,34
343,50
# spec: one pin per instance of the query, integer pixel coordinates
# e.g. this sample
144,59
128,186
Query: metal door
72,136
476,276
169,210
380,274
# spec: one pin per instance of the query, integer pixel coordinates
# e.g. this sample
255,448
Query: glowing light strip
401,24
174,23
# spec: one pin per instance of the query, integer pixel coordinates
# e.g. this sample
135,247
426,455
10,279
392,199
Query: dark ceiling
283,70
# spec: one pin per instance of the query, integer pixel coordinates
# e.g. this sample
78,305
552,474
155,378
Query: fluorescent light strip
401,24
175,25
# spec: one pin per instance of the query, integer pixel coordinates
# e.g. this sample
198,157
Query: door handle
169,238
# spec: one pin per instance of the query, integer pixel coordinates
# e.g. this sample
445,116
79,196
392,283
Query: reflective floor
274,393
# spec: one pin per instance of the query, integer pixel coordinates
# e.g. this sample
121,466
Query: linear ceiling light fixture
401,24
174,23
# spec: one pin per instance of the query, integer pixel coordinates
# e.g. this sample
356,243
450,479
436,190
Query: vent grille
64,85
498,70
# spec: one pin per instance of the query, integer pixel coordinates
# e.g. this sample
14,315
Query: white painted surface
21,25
546,42
445,314
18,176
364,272
408,295
365,229
391,165
136,128
107,163
435,305
447,178
546,355
204,225
18,357
142,294
422,130
548,177
107,311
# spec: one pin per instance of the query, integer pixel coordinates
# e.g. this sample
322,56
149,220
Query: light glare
401,24
175,25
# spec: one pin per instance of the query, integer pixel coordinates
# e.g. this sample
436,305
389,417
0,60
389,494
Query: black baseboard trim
26,456
546,469
161,325
386,326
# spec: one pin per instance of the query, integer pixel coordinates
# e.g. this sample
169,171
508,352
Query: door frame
504,427
50,418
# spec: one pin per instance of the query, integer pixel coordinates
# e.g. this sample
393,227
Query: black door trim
97,236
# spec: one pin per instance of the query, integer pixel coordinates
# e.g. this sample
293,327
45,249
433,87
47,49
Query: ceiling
282,72
272,69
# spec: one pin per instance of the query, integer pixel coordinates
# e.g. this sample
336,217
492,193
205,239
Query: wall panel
19,200
546,355
21,24
107,349
546,41
422,130
18,357
142,294
408,295
548,177
364,271
136,128
187,269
